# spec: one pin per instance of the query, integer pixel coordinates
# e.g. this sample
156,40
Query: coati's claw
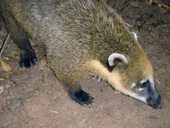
27,58
81,97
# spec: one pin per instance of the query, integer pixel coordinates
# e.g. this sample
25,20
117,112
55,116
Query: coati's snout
146,92
135,79
151,94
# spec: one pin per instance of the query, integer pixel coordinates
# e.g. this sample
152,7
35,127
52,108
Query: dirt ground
33,98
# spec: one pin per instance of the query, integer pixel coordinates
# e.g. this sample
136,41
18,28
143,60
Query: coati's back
82,38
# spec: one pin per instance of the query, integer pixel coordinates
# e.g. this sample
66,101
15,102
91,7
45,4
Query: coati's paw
27,58
81,97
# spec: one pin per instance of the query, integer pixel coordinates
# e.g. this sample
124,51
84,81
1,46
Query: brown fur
78,36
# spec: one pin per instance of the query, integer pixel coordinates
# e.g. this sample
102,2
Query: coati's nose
154,102
153,98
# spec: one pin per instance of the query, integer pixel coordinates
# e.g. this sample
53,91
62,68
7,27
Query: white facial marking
114,56
150,80
136,96
143,81
140,89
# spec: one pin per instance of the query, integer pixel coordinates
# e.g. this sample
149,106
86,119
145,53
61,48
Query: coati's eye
141,86
144,84
114,59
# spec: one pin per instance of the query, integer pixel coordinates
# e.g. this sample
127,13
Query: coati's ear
134,35
116,58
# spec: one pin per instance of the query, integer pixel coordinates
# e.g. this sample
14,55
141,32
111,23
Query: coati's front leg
78,95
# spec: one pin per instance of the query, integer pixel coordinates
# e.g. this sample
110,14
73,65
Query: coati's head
130,73
134,75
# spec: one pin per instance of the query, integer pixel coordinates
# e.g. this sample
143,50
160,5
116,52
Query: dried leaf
4,65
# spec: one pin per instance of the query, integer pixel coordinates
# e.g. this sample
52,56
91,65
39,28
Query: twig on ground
4,44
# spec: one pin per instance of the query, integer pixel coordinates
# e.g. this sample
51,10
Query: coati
81,38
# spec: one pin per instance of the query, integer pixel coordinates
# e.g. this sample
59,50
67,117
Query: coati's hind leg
79,96
27,54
